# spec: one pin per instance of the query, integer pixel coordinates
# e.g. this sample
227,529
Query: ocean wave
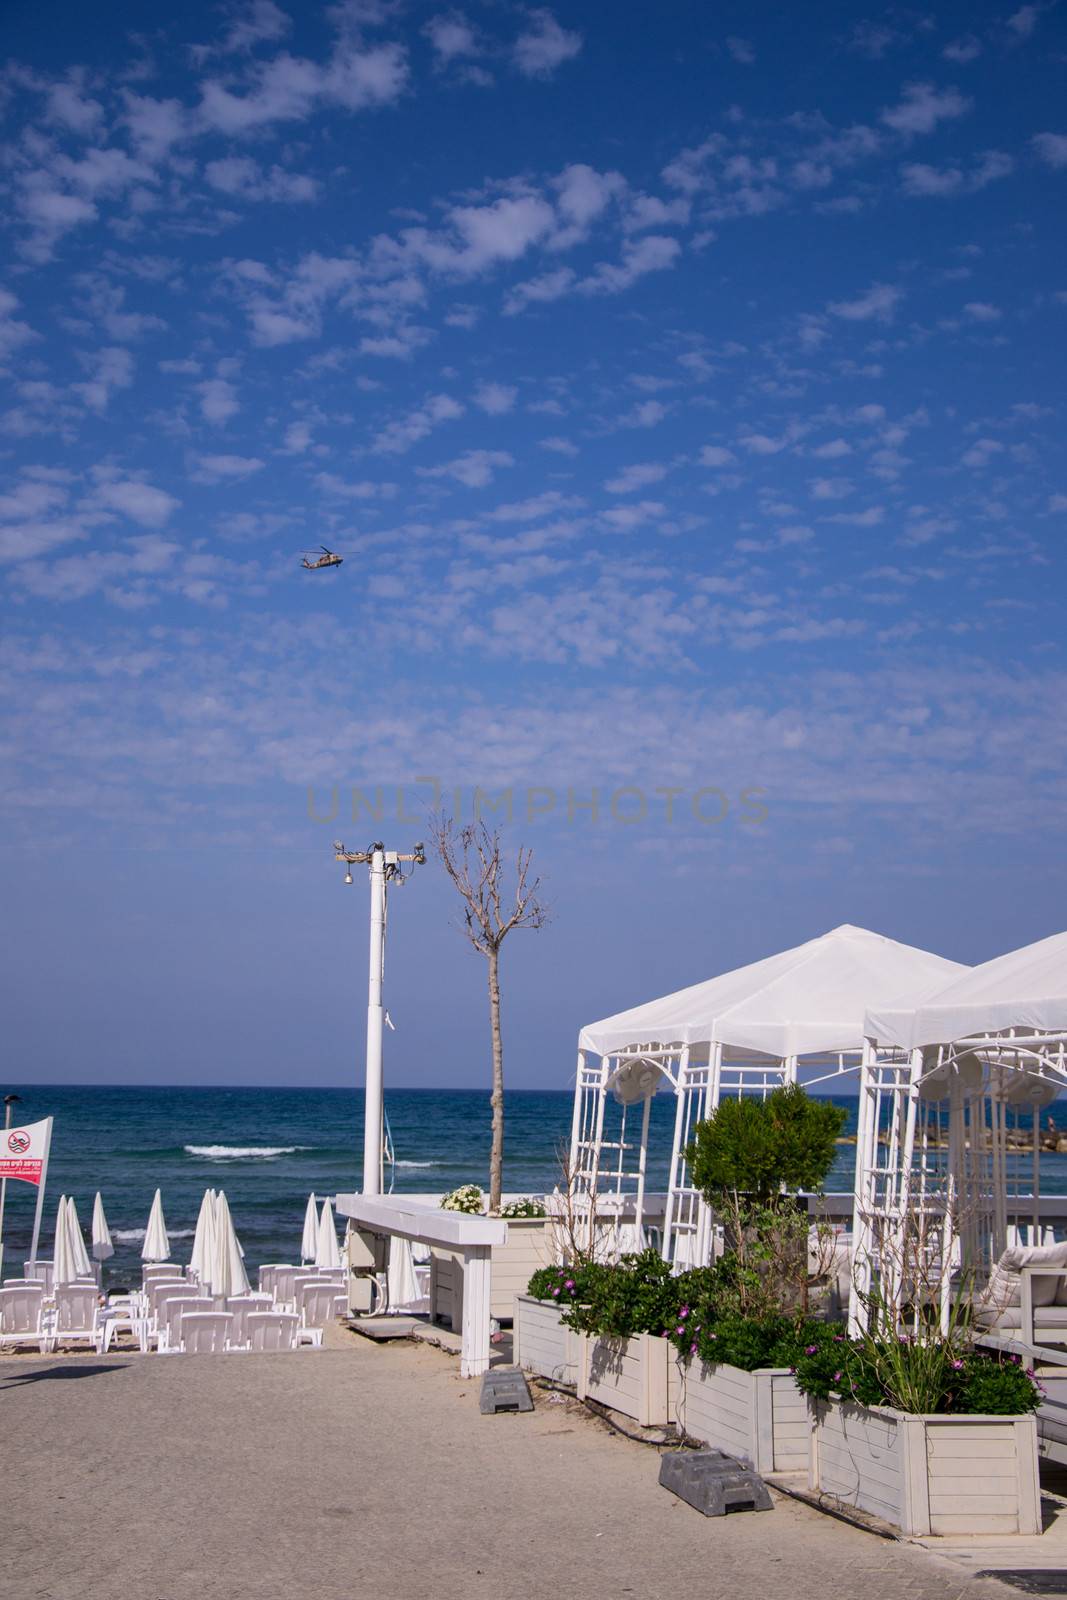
133,1235
417,1163
242,1152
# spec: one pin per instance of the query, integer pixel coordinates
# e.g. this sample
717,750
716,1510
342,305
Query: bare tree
473,857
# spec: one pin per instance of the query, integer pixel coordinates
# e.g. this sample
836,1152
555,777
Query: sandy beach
359,1471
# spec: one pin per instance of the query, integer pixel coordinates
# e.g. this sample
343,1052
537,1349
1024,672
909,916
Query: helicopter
328,559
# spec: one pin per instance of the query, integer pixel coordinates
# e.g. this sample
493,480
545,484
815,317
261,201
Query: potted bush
737,1389
624,1359
749,1159
924,1432
543,1344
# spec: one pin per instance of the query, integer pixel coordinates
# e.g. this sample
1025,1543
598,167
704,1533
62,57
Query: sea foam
241,1152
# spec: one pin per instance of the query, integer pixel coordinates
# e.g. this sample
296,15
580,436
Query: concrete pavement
357,1472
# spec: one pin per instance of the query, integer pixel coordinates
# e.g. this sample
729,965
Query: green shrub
638,1295
563,1284
918,1376
760,1147
754,1342
746,1158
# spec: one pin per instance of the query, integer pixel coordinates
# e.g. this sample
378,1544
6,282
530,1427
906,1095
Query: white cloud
1052,148
832,450
878,304
923,106
140,502
495,399
741,50
831,488
218,400
982,311
67,104
653,253
716,455
541,290
225,468
559,446
13,332
399,436
1023,22
243,179
645,414
287,88
453,37
638,475
108,369
919,179
474,468
544,45
967,48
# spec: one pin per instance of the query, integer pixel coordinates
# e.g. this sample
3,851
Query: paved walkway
357,1472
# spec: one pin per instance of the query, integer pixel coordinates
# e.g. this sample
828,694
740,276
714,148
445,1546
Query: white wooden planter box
1052,1416
929,1474
541,1343
529,1246
636,1376
761,1416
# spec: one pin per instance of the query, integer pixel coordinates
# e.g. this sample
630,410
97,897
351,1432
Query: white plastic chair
240,1306
160,1292
39,1269
272,1330
204,1333
77,1319
155,1271
316,1310
171,1312
269,1272
22,1315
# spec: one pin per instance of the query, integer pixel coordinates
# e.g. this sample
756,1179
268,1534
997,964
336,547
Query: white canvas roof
806,1001
1025,989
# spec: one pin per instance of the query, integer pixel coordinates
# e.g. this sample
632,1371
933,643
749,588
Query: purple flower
810,1349
556,1290
684,1311
680,1328
837,1377
957,1366
692,1349
839,1338
569,1283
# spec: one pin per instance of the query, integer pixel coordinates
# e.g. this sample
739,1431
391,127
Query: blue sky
683,387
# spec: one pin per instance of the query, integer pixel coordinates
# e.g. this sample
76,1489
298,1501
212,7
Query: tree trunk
496,1099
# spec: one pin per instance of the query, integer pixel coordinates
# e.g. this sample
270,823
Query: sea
269,1148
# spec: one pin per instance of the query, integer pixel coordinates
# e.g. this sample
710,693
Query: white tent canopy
807,1001
156,1246
1025,989
741,1032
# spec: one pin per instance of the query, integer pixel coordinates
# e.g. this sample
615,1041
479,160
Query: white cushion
1003,1288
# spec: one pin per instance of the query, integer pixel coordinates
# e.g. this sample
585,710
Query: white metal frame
948,1163
608,1171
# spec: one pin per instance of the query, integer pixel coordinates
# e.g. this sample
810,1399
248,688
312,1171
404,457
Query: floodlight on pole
386,866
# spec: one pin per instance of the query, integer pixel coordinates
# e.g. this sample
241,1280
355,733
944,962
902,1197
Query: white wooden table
471,1237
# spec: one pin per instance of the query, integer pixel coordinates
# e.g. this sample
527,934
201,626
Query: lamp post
9,1101
386,866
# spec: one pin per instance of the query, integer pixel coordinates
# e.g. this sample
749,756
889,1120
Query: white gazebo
948,1147
793,1017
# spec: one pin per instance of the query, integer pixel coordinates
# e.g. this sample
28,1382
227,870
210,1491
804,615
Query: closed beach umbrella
310,1242
327,1252
403,1284
63,1267
202,1258
228,1275
156,1245
79,1255
102,1245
